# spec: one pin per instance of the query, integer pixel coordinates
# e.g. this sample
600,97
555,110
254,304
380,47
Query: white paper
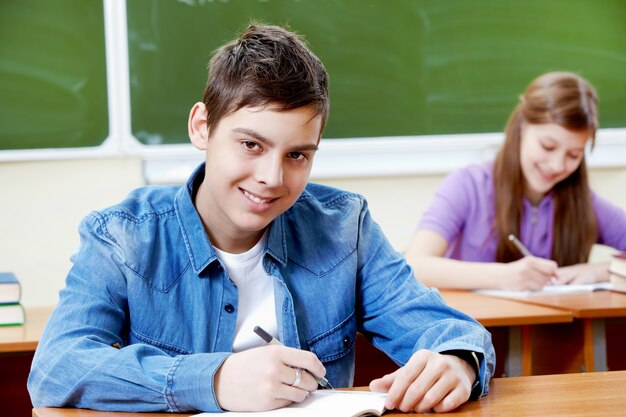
550,290
324,403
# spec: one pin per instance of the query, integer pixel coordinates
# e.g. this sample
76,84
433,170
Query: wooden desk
17,347
592,308
493,311
588,394
519,316
25,338
582,394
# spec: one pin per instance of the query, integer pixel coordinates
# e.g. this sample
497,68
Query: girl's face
549,153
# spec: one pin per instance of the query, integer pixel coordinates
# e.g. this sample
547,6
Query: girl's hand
583,273
528,273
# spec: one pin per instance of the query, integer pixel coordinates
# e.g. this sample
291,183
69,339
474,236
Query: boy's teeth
254,198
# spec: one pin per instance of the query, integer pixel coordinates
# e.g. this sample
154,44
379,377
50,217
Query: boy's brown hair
265,65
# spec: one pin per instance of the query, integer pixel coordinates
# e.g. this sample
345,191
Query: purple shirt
463,213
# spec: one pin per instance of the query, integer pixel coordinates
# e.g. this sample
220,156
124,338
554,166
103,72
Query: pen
520,246
323,382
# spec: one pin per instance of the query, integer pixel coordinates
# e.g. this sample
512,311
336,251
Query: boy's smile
258,161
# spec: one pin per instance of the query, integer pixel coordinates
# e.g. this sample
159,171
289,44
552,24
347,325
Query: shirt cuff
472,359
190,382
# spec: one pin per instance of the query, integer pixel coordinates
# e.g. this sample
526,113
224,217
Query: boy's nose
270,172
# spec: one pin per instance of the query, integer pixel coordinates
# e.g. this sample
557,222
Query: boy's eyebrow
268,142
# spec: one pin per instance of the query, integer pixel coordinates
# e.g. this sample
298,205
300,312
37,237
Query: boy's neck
217,229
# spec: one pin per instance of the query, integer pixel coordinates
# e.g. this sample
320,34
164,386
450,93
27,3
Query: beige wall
43,203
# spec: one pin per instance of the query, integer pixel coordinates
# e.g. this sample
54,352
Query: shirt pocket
336,342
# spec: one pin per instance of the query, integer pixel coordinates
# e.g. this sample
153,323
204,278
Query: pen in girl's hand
323,382
524,250
519,245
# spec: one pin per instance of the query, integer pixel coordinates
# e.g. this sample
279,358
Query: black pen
323,382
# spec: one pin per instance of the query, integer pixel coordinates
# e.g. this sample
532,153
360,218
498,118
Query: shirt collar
197,243
545,202
277,240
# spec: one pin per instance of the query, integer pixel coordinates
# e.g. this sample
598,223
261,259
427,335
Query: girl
536,189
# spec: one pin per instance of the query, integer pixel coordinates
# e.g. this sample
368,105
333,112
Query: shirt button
229,308
346,341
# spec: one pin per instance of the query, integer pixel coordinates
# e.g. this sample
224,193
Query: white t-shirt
256,306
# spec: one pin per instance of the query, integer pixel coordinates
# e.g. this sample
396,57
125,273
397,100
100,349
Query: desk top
592,304
24,338
494,311
589,394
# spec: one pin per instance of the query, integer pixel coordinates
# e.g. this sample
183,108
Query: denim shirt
148,313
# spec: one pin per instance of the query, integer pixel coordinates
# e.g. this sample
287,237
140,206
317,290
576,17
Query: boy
160,305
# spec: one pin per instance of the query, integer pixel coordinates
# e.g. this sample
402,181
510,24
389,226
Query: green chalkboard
52,74
397,67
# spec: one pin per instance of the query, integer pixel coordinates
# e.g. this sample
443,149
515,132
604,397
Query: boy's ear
198,130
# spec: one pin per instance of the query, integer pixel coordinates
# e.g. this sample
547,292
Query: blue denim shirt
148,314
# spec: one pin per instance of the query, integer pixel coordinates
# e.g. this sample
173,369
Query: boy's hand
429,381
261,378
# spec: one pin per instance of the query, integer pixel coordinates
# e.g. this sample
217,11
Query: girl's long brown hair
570,101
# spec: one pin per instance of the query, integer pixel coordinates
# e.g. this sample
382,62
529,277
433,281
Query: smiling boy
159,307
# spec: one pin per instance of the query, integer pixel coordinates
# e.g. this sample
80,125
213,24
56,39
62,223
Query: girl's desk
518,316
592,308
492,311
588,394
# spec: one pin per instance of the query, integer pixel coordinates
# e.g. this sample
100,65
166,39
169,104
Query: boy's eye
250,145
296,155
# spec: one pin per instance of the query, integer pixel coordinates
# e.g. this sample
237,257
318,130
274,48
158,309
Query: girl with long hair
536,189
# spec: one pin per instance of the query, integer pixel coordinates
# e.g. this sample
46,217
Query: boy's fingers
384,383
303,359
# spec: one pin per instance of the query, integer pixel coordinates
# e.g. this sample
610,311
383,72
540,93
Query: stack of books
11,311
617,272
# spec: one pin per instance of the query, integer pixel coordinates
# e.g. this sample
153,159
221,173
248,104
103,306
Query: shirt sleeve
84,360
421,318
611,221
448,210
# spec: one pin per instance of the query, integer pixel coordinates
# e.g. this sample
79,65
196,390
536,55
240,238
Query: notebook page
324,403
549,290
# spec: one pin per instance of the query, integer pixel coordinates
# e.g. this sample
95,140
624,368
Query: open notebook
550,290
326,403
